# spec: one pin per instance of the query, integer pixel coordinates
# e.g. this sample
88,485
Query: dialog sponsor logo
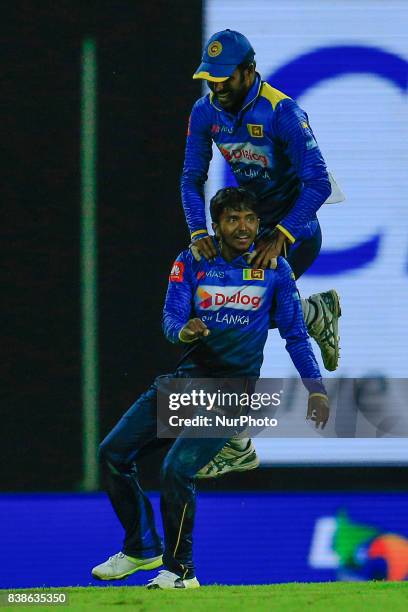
239,298
246,153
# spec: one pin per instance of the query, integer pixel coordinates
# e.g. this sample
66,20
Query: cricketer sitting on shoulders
214,347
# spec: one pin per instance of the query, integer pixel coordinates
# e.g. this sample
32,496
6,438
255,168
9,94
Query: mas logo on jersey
210,274
240,298
253,274
256,131
216,129
177,272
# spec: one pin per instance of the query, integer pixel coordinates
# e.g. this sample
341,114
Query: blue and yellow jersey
271,150
235,302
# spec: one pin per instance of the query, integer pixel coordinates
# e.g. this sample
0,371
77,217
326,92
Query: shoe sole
337,312
335,308
336,300
242,467
156,587
148,566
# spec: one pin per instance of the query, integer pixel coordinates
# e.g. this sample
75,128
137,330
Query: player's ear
216,230
251,68
257,227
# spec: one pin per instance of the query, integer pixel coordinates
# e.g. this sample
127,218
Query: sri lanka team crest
256,131
214,48
253,274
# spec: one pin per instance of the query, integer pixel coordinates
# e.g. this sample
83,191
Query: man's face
237,230
231,93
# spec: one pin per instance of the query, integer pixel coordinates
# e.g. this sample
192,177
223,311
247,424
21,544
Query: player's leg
142,547
321,311
303,252
185,458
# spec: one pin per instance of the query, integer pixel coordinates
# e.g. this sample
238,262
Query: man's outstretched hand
203,247
267,249
193,329
318,409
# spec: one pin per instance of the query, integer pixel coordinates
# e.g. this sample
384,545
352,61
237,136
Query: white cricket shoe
120,566
168,580
236,456
325,330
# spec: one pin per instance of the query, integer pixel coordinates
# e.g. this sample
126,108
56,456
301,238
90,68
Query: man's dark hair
247,61
236,198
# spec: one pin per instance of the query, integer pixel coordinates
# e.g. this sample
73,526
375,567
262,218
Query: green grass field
333,596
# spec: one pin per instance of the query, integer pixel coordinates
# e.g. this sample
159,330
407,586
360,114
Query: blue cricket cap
222,54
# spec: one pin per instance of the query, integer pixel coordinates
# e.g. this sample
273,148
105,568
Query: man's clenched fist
318,409
193,329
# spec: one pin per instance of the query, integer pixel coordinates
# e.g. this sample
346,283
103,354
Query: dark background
147,53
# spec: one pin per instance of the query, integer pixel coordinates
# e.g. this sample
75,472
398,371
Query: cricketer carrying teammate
222,339
267,140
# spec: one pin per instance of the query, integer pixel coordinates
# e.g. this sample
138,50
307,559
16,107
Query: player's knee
167,471
108,457
103,453
175,469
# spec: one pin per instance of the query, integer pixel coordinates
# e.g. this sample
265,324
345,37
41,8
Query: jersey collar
238,262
